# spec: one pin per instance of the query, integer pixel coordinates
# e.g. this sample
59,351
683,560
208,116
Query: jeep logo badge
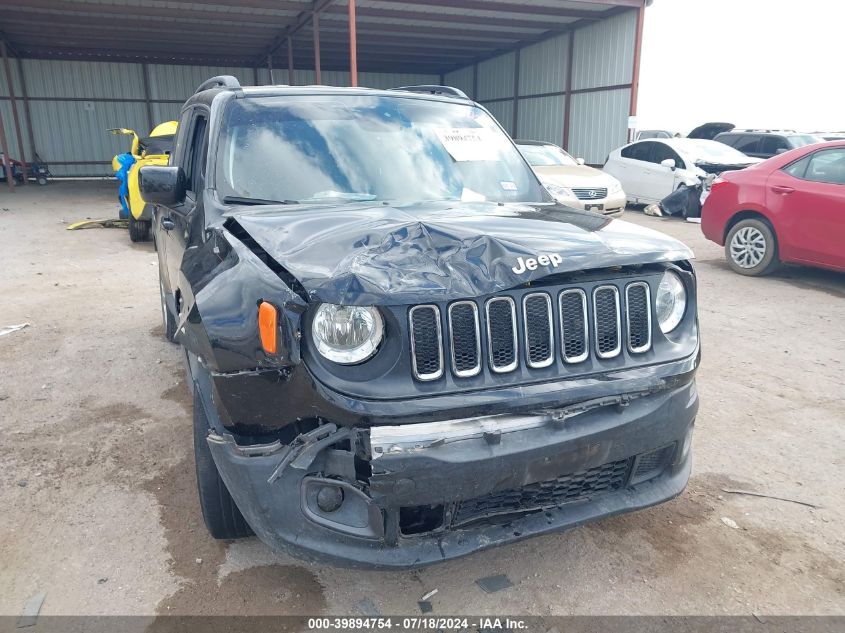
522,265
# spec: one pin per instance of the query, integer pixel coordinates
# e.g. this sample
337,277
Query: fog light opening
420,519
329,498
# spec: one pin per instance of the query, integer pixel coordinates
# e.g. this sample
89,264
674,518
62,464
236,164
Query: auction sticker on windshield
468,143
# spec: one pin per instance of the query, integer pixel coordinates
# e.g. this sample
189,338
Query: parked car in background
766,143
831,136
572,182
644,134
790,208
651,170
709,131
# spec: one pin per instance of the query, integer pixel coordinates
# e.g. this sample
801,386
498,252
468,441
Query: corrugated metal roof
426,36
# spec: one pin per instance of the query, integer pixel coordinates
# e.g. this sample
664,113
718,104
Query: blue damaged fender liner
551,397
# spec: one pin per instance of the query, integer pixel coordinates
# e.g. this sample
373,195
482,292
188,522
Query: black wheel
221,515
41,180
751,248
167,318
139,230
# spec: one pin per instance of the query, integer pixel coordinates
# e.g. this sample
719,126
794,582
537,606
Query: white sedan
651,170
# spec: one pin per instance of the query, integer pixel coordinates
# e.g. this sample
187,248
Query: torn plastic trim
304,449
409,438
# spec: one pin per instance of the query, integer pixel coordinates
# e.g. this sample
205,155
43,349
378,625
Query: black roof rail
449,91
220,81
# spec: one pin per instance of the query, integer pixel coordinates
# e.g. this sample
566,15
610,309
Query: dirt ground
97,490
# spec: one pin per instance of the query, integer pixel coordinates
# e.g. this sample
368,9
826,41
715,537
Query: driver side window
662,152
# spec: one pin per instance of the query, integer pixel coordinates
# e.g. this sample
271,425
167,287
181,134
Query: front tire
139,230
751,248
221,515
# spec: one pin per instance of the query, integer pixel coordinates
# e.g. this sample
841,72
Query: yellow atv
152,150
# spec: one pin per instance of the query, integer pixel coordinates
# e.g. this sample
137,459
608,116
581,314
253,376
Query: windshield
546,156
714,152
324,148
800,140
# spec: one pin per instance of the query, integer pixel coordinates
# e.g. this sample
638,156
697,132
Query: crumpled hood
371,254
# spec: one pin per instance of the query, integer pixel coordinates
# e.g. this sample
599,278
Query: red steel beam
635,72
10,83
353,46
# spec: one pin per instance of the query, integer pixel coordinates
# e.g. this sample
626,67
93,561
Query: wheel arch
748,214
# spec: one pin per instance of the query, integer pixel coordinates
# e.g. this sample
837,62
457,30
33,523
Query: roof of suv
208,90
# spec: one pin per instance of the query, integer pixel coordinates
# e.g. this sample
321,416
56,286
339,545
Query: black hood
368,254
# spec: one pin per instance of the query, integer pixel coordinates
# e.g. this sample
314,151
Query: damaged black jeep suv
401,348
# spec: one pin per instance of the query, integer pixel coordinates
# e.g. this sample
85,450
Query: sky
753,63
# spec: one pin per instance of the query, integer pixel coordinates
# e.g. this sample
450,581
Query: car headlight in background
347,334
559,192
616,187
671,301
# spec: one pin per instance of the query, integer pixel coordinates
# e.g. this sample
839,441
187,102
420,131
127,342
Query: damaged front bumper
397,496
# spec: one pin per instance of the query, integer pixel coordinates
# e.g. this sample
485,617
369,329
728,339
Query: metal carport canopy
431,36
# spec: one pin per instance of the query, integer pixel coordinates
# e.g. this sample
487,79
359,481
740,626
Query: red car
790,208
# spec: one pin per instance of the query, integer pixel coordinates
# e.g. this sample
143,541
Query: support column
567,100
290,62
353,46
150,120
515,94
316,23
7,167
270,68
27,110
635,72
10,82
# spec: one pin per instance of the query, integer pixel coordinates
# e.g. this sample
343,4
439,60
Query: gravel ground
97,490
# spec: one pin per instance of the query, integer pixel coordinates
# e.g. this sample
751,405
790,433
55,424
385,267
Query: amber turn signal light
267,326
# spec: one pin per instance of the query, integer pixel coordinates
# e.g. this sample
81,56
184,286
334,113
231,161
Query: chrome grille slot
464,339
502,345
590,193
574,338
539,329
638,317
426,342
606,321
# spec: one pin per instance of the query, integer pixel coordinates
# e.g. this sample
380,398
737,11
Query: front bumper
411,501
613,205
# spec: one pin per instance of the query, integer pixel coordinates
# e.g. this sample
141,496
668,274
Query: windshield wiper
240,200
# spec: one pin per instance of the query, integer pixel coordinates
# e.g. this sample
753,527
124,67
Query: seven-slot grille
591,193
528,331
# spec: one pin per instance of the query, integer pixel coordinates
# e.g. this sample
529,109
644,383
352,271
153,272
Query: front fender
222,284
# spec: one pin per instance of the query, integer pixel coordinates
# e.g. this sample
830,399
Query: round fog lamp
329,498
347,334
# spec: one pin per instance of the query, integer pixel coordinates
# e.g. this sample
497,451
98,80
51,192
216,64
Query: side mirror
580,161
162,184
668,162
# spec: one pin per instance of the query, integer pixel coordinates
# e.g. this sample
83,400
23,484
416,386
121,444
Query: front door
808,198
